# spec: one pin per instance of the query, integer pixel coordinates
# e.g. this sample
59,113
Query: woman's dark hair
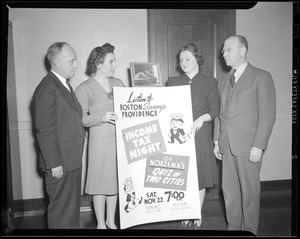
97,57
194,50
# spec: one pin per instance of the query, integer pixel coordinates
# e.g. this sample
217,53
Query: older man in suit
60,135
242,130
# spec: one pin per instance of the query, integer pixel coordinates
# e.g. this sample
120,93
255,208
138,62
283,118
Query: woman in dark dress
205,104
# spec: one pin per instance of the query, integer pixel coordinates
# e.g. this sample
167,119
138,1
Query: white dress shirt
63,80
240,70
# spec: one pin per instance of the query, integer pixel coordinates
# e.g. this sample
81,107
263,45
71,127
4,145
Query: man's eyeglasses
229,50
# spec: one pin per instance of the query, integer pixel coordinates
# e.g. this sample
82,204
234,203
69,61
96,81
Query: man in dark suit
242,131
60,136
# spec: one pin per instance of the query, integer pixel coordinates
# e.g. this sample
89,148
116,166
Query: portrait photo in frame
145,74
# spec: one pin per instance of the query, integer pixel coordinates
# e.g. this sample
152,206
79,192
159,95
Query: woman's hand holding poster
156,155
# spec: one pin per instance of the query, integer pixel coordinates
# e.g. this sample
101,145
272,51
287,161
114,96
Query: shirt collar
240,70
62,79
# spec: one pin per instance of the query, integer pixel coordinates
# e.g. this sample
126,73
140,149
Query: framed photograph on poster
145,74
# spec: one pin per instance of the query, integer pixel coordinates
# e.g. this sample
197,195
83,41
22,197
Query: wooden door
170,30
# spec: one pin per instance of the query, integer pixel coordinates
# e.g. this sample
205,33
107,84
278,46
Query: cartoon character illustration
176,132
132,201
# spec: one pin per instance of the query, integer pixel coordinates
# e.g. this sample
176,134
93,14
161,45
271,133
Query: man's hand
57,172
255,155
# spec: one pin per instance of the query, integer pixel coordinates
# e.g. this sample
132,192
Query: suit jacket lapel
243,78
77,104
225,87
241,83
66,94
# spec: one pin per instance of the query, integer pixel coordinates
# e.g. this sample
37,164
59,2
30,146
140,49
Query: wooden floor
275,220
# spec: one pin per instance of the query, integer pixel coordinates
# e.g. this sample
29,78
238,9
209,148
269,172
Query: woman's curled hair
97,57
194,50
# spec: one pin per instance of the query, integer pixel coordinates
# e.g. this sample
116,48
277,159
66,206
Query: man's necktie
69,85
232,78
71,89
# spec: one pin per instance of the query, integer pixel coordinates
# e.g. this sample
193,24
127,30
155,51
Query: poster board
157,171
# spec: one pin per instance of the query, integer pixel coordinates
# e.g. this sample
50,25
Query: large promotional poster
157,169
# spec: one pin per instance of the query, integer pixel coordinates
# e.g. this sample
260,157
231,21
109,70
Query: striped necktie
69,85
232,78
